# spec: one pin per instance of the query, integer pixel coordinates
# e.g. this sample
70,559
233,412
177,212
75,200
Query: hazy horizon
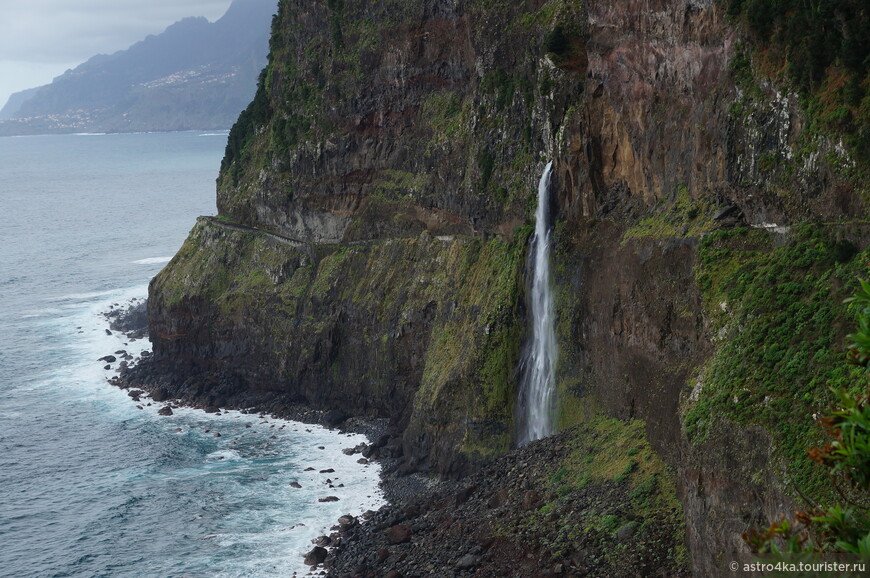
42,39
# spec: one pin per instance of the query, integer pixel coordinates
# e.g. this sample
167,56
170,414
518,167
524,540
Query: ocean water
91,484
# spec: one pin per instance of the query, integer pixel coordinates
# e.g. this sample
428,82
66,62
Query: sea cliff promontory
369,257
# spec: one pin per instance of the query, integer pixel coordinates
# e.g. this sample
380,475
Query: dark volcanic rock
370,254
134,318
437,535
165,410
316,556
399,534
346,521
468,561
334,418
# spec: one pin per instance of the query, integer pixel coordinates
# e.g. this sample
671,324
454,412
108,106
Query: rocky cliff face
374,204
422,330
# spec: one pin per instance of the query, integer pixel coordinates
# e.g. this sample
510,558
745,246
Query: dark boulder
347,521
531,500
134,318
463,495
316,556
399,534
334,418
467,562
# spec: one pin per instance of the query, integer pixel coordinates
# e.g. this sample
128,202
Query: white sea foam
246,463
42,312
82,296
224,133
224,454
153,260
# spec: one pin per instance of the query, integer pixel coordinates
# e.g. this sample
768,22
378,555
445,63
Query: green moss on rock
775,304
610,489
474,350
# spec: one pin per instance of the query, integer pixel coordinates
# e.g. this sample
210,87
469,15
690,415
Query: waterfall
535,403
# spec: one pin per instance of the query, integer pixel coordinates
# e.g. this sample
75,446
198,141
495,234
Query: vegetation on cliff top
363,79
823,48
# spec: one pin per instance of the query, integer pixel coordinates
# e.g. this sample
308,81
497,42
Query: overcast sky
41,39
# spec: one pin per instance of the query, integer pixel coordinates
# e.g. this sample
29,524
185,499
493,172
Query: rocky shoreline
516,516
512,519
147,385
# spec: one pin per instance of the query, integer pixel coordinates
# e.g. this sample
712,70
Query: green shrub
847,458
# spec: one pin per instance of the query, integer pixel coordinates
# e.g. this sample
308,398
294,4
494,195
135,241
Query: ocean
92,485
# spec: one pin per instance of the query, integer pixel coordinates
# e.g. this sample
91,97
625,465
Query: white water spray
535,404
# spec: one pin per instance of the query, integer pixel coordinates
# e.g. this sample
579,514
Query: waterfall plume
536,395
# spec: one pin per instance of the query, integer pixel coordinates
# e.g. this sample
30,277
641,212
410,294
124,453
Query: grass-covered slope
778,321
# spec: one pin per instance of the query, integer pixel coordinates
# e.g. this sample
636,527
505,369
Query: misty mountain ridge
194,75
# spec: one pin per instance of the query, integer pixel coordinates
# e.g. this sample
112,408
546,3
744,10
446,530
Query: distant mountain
194,75
13,105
